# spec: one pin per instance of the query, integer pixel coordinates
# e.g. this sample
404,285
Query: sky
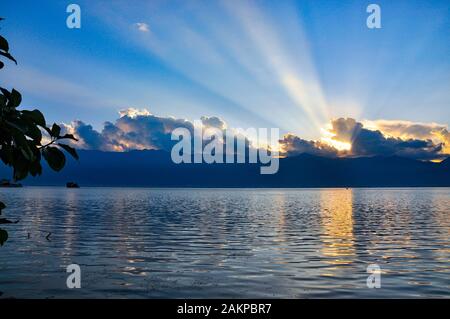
294,65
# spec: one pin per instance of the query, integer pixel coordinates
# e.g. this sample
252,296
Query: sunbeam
296,76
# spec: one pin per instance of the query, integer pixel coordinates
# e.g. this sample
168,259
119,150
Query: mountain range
151,168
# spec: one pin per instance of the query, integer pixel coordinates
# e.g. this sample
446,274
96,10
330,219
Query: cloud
438,133
134,129
444,135
417,144
143,27
345,130
370,143
89,138
291,145
213,122
140,129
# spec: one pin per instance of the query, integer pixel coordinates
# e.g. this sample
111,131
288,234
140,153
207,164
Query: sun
329,139
340,146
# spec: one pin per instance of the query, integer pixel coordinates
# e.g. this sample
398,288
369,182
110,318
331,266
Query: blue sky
287,64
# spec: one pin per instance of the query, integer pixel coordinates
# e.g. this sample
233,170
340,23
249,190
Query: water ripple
200,243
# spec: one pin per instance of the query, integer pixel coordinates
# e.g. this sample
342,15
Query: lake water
204,243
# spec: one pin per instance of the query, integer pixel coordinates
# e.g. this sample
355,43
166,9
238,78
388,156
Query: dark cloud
405,130
346,130
292,145
369,143
364,142
89,138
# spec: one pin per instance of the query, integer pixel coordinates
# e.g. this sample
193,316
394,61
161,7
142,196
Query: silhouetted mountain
155,169
446,162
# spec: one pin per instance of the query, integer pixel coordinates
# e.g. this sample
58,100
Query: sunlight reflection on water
254,243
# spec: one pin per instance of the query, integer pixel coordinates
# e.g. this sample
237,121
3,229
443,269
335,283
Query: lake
230,243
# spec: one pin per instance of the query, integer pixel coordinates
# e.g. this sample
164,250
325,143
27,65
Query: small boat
7,183
72,185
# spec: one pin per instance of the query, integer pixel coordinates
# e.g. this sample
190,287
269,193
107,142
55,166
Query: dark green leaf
36,116
36,168
15,99
22,144
3,236
54,157
6,221
4,44
27,154
14,127
9,56
20,164
5,93
55,130
49,131
6,155
69,136
23,147
35,133
69,150
20,174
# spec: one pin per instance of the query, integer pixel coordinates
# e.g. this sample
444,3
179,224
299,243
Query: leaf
35,133
55,130
49,131
36,116
6,155
5,92
70,150
6,221
2,207
36,168
15,128
20,174
54,157
22,144
20,164
15,99
9,56
69,136
3,236
4,44
27,154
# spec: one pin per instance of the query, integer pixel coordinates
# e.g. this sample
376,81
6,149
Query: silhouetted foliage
21,140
